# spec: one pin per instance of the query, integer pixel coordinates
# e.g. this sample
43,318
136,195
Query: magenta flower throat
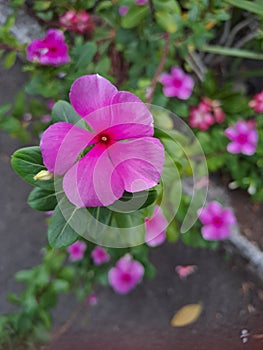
116,153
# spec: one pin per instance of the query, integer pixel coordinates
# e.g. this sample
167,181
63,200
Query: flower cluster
76,21
52,50
177,84
217,221
243,136
207,113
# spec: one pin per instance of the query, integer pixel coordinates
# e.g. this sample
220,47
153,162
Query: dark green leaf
134,16
130,202
42,199
64,112
166,21
60,233
10,59
27,162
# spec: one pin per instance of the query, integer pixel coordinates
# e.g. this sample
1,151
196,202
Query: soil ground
231,295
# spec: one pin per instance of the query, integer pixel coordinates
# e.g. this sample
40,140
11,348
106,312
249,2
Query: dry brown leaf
186,315
257,336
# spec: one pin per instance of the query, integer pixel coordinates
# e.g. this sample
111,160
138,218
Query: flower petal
170,91
93,181
129,131
228,217
166,79
124,109
248,149
155,228
211,233
234,147
61,144
91,92
231,133
139,162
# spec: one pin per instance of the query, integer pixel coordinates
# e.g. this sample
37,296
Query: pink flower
244,138
76,250
155,228
51,50
201,117
257,102
141,2
123,10
184,271
79,22
217,221
99,256
215,108
111,166
177,84
68,19
92,299
126,274
206,114
50,104
46,118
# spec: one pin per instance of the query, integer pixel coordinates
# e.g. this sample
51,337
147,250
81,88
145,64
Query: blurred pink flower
126,274
141,2
111,166
52,50
201,117
243,136
92,299
155,228
206,113
46,118
217,221
99,256
177,84
215,108
76,21
50,104
123,10
76,250
257,102
184,271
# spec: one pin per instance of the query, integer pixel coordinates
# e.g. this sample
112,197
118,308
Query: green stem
227,51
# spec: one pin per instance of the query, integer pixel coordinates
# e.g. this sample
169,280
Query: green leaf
134,16
172,232
42,199
130,202
170,6
5,108
84,54
10,59
64,112
227,51
10,124
24,275
60,286
60,233
249,6
27,162
41,5
166,21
